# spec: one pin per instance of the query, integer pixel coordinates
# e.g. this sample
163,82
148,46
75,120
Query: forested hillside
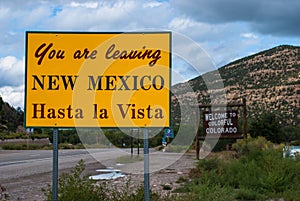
268,80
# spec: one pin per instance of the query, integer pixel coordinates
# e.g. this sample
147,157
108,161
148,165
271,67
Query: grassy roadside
257,172
37,146
226,176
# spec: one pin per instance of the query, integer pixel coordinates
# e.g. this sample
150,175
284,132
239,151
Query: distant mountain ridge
269,80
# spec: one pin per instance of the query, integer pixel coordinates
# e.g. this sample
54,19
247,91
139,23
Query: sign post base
55,166
146,166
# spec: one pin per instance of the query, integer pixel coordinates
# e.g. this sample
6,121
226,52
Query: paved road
24,173
21,157
25,163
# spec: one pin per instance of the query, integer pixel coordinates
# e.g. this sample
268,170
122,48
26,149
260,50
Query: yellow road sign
97,79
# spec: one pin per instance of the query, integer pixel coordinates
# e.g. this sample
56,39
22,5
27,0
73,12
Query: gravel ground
29,188
165,177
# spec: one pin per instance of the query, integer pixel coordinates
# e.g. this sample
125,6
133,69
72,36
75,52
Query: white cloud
11,71
152,4
201,31
27,18
249,35
189,58
181,23
4,12
86,4
88,16
13,95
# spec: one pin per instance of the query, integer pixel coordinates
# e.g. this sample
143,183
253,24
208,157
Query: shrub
23,146
248,194
254,176
206,192
74,186
250,144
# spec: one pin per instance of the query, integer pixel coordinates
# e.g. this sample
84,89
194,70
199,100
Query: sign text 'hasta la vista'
97,79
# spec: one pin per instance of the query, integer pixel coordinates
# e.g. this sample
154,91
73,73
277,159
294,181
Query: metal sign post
55,166
146,166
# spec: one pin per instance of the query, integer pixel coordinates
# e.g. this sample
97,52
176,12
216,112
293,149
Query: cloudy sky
225,29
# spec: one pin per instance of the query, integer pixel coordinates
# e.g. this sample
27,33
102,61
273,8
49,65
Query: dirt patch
163,181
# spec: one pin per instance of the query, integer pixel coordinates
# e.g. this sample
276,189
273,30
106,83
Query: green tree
290,133
267,125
